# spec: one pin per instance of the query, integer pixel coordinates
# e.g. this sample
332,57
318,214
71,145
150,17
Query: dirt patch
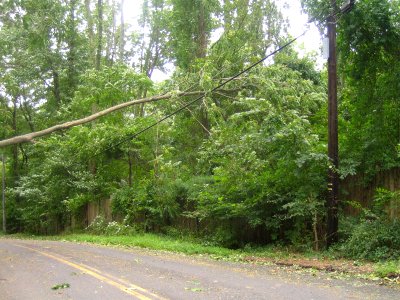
344,266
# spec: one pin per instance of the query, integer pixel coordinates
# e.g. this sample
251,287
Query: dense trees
369,98
246,164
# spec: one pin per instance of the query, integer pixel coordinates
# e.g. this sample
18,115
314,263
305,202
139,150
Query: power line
202,96
185,106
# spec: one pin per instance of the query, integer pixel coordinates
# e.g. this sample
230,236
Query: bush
373,240
97,226
388,269
100,226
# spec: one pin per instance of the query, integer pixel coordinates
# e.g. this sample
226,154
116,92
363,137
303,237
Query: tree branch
31,136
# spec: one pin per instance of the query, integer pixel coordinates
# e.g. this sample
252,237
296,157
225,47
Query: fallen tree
29,137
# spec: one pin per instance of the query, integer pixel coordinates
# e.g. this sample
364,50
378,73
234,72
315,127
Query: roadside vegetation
332,261
242,171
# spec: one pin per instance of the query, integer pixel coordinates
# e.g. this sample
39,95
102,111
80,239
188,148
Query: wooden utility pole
333,148
4,192
333,144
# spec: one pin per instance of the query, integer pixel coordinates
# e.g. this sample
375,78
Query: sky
291,9
298,23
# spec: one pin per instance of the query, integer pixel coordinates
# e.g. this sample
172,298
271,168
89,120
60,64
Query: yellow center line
131,285
126,287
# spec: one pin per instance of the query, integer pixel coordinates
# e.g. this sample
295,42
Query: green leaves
108,87
267,162
368,43
60,286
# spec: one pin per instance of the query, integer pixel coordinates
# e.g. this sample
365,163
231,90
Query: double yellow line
125,286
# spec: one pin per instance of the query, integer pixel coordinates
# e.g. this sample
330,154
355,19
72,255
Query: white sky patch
311,42
132,11
291,9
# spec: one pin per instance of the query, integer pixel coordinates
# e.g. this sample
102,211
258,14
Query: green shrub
101,227
373,240
97,226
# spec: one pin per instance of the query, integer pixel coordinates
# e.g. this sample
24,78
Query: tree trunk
27,114
90,31
56,88
99,33
71,56
315,230
122,34
15,166
111,37
130,163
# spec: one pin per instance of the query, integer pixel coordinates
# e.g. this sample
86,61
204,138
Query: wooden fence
359,189
362,189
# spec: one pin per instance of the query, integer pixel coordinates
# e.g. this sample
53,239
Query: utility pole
4,192
333,148
333,144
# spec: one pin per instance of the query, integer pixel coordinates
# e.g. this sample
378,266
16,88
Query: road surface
30,269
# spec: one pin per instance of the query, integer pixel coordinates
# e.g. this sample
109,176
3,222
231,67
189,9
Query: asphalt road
29,269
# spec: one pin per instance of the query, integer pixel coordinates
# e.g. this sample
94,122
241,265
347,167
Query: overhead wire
189,89
225,82
202,96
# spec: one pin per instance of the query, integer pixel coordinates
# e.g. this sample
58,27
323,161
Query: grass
174,244
389,269
152,241
143,240
180,245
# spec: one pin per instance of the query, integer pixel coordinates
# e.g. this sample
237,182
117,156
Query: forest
244,164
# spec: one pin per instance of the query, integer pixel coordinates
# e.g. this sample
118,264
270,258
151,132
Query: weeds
390,269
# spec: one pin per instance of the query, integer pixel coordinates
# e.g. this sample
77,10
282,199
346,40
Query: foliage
259,157
155,204
368,46
374,240
190,28
245,165
371,99
100,226
375,237
106,88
